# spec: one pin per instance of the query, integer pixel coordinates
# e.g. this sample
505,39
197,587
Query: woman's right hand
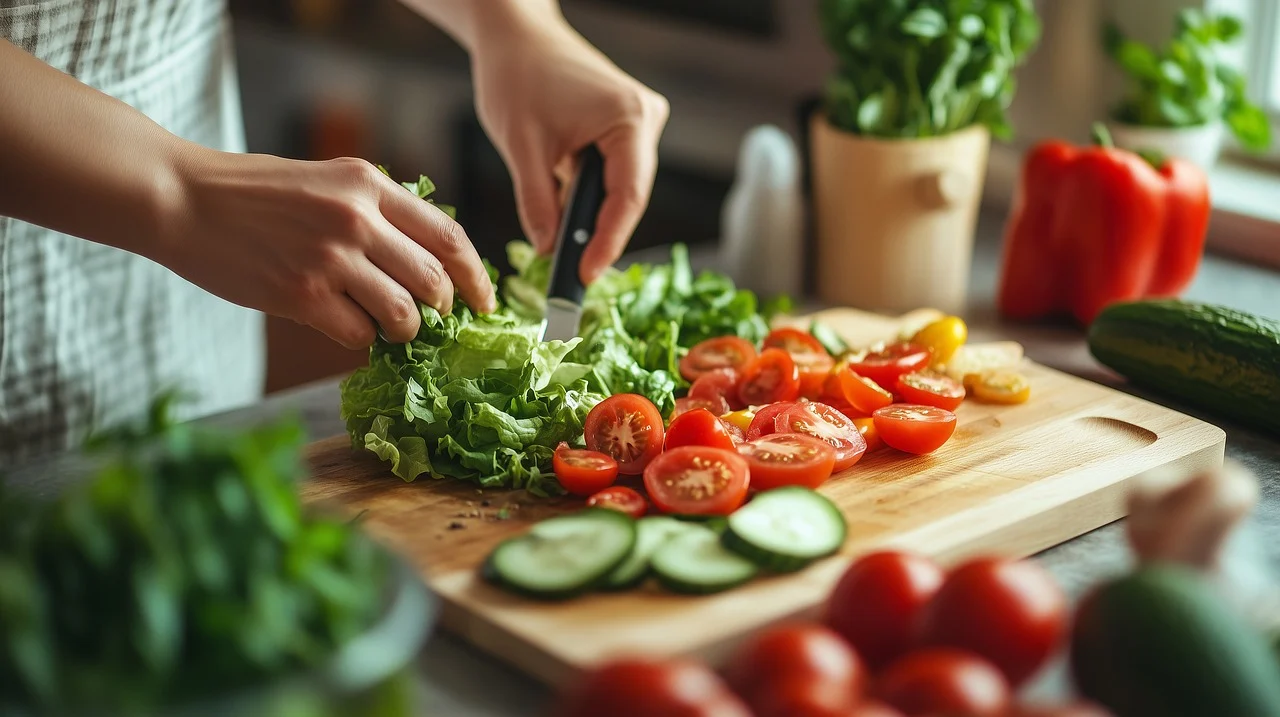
336,245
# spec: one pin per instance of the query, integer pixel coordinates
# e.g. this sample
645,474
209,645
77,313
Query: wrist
498,22
169,195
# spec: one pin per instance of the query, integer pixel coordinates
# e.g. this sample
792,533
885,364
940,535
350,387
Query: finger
630,163
412,267
434,231
536,198
387,302
342,320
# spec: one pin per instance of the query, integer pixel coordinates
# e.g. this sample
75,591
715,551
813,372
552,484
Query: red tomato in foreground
796,664
861,392
622,499
763,424
628,428
812,360
885,366
876,709
695,480
720,352
1011,612
735,433
650,688
698,427
801,697
718,385
943,681
827,425
913,428
931,389
718,406
788,459
867,427
583,472
877,604
772,376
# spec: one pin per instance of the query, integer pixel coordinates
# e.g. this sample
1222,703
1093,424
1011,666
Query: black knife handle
577,226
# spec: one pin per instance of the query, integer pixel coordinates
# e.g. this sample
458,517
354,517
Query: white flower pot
1199,145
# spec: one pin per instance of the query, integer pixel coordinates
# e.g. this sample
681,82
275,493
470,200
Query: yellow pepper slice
741,419
942,337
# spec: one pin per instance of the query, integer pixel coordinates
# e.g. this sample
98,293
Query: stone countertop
461,681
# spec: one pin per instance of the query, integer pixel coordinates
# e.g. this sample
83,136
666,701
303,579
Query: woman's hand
543,93
336,245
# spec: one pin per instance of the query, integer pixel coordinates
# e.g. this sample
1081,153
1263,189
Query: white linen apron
90,334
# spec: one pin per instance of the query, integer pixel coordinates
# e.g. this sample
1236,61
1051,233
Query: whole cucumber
1218,359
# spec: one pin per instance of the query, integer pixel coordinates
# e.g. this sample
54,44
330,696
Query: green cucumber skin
774,561
690,587
1212,357
614,583
490,572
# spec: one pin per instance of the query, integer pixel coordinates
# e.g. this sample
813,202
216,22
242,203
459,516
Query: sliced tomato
622,499
720,352
812,360
931,389
914,428
696,480
683,405
741,418
1007,387
721,383
861,392
867,427
770,377
827,425
886,365
583,472
698,427
763,424
627,427
738,435
782,459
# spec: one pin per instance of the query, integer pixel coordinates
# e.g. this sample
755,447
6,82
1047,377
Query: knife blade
578,224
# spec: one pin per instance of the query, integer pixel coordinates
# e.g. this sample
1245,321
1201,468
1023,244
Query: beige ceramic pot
894,219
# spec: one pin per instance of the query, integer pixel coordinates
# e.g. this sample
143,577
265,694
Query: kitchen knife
565,292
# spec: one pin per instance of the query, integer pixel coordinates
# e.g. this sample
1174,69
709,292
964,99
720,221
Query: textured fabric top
90,334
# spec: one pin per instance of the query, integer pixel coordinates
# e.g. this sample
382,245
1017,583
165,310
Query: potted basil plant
899,149
1182,98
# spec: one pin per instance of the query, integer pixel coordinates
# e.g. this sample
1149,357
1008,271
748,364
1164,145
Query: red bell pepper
1094,225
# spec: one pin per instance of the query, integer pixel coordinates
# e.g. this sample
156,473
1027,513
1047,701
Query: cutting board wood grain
1013,480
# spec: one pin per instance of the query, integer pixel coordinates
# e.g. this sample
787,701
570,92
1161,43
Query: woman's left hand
543,93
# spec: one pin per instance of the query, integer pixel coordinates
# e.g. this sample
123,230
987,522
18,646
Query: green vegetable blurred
925,68
1188,83
185,569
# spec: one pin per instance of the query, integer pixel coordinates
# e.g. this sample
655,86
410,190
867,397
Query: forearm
473,22
78,161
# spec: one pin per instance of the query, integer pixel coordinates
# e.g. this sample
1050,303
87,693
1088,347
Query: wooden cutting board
1013,480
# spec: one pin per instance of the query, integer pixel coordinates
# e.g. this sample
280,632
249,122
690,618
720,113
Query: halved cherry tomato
627,427
1008,387
942,338
738,435
931,389
717,384
741,419
698,427
622,499
762,424
886,365
788,459
861,392
696,480
720,352
827,425
867,427
914,428
686,404
583,472
944,681
878,601
812,360
772,376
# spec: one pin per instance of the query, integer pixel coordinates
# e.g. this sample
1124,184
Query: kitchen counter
460,681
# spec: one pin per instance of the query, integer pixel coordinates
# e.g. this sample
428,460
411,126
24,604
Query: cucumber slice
564,556
651,533
696,562
786,529
830,340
